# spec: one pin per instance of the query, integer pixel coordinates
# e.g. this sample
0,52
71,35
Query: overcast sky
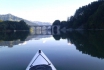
42,10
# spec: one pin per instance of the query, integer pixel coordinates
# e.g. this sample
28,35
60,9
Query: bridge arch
55,29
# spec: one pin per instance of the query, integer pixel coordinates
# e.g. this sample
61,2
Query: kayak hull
40,61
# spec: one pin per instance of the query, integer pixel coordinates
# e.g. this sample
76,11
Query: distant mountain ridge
10,17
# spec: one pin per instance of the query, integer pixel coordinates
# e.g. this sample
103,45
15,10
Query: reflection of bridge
42,27
42,32
45,29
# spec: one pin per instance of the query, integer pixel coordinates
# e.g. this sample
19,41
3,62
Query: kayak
40,62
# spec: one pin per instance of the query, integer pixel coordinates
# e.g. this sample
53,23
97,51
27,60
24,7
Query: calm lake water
75,50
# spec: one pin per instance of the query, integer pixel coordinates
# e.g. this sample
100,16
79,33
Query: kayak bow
40,62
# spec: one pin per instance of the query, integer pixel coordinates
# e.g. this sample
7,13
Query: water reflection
88,42
12,38
19,37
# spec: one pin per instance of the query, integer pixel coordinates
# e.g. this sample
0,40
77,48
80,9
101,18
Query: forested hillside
13,25
82,17
90,16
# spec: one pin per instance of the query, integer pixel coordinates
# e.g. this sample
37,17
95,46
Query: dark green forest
13,25
87,17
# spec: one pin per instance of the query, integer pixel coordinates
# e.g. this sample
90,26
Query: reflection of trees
12,38
10,43
89,42
56,37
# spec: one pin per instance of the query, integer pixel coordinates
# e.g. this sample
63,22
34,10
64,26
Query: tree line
13,25
90,16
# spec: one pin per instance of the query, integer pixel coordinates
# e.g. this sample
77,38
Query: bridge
45,29
42,27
